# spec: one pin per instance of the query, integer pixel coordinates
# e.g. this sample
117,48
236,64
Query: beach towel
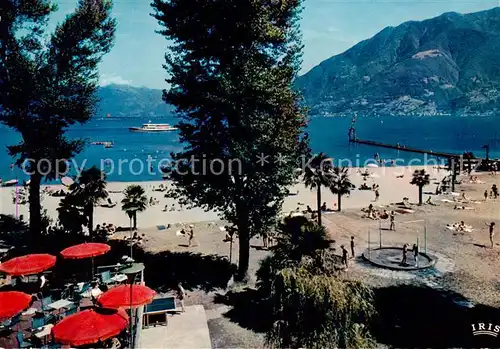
454,194
467,229
446,200
404,210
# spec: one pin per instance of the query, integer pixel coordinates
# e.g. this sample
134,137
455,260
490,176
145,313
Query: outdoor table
119,278
30,311
60,304
44,333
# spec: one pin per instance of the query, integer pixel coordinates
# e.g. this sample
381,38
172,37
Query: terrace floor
184,330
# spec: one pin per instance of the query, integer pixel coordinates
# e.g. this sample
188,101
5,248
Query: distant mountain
125,100
448,64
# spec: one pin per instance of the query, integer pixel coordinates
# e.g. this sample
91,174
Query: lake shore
394,184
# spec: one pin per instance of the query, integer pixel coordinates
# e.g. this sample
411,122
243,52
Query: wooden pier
404,148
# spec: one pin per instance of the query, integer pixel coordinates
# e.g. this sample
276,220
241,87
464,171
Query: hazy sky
329,27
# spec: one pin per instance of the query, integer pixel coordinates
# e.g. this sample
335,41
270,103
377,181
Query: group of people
105,229
493,193
345,254
415,250
189,234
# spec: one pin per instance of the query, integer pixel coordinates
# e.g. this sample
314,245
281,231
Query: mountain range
126,100
447,64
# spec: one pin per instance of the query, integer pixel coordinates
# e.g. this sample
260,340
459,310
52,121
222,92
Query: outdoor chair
85,288
45,303
21,342
37,322
8,324
72,309
106,277
52,346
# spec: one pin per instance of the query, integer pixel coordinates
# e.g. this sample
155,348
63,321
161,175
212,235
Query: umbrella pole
131,316
92,274
131,241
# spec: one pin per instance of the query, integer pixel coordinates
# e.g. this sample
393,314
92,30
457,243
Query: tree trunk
35,207
244,253
135,220
420,195
339,203
319,204
90,210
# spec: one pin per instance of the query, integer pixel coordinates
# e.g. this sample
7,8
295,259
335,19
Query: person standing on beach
264,240
486,195
392,226
377,194
491,227
181,294
405,252
415,254
191,236
344,257
352,247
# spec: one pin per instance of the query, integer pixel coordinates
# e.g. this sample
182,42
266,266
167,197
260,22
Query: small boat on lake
10,183
149,127
105,144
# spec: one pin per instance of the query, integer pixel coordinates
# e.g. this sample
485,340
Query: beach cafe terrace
103,311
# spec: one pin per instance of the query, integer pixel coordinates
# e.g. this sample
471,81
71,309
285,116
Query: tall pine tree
231,68
48,82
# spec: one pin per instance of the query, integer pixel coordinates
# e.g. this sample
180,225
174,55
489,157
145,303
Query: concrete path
184,330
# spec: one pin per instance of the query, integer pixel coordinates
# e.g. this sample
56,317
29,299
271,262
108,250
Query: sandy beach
392,189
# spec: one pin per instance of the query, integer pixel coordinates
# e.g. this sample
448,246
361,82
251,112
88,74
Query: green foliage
317,173
77,208
49,82
340,184
135,200
71,214
318,311
231,68
311,306
420,178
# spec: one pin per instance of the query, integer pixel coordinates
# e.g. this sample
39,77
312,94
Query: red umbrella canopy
120,296
90,326
86,250
12,303
28,265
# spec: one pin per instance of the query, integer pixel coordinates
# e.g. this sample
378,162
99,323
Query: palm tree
341,184
420,179
135,200
316,174
89,190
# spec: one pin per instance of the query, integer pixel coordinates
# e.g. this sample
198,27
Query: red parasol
28,265
126,296
86,250
90,326
12,303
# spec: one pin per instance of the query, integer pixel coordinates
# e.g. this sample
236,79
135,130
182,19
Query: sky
329,27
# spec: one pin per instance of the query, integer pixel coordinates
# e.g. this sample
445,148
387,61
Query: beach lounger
159,307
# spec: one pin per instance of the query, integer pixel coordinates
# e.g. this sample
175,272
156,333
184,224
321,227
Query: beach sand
392,189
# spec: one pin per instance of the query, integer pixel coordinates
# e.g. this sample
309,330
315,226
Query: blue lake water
329,135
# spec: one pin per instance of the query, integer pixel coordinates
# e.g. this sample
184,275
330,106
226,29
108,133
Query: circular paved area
390,258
